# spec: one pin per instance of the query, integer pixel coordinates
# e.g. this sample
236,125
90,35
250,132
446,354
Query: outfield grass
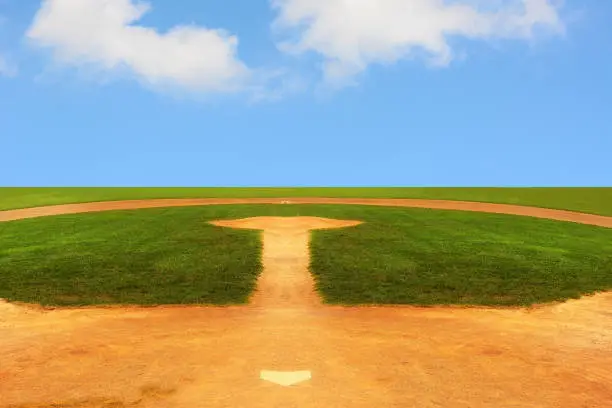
589,200
398,256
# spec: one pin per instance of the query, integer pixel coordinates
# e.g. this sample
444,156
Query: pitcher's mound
286,223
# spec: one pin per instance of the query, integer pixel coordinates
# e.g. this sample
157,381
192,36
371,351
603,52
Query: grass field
590,200
398,256
127,257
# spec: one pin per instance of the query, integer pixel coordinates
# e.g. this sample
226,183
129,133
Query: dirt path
559,215
195,357
285,281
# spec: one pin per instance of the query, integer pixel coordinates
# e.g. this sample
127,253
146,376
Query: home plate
285,378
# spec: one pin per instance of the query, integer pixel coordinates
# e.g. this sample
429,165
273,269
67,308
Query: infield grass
127,257
398,256
589,200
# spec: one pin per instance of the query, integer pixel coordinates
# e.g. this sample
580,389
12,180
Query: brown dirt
559,215
285,281
549,356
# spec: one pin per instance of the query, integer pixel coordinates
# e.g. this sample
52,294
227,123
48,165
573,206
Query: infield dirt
547,356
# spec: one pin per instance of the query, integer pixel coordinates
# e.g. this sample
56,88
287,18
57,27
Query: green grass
398,256
590,200
127,257
427,257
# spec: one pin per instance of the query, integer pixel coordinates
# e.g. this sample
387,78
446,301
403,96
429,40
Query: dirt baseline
552,356
559,215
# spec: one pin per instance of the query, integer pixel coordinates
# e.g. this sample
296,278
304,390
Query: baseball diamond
287,347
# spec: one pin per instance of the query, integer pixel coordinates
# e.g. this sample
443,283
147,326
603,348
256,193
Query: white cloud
105,34
7,68
352,34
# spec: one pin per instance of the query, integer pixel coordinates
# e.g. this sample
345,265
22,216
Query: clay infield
556,355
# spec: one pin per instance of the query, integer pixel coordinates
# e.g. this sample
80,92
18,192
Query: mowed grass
398,256
427,257
127,257
589,200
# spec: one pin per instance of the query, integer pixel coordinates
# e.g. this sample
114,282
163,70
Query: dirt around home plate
177,356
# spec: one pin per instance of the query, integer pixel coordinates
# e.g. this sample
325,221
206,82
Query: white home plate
285,378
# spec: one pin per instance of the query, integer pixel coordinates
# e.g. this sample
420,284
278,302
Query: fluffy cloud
105,34
351,34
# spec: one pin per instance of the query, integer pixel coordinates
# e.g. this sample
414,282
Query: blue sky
314,93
